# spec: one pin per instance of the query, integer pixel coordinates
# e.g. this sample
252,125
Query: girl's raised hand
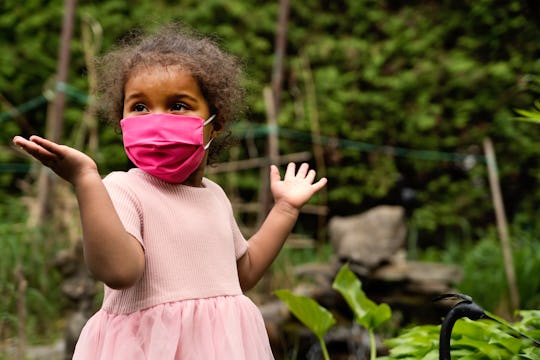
296,188
66,162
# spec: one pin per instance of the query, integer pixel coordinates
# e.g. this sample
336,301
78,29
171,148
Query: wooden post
271,98
318,151
502,225
56,122
280,50
265,196
22,285
55,114
92,36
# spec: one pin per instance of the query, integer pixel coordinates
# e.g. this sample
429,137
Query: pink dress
188,304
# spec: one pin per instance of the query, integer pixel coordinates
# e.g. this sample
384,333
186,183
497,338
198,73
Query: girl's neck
195,179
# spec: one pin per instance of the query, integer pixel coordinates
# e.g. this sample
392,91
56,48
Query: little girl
161,237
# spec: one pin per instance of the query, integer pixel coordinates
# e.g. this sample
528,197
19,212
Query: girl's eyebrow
185,96
176,96
134,95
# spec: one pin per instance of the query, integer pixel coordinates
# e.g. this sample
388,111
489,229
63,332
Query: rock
419,272
370,238
80,288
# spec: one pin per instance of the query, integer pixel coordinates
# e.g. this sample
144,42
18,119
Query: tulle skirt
224,327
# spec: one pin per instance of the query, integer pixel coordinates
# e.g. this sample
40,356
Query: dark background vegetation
405,92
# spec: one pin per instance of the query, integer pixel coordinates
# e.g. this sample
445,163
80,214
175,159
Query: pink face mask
168,146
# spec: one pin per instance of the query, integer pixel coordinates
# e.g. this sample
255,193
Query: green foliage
367,313
483,270
388,79
319,320
28,277
484,275
481,340
425,77
315,317
532,115
419,342
399,76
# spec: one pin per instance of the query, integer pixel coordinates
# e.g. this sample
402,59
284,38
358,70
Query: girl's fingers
37,147
310,177
291,169
46,144
303,170
17,140
304,173
21,142
274,173
319,184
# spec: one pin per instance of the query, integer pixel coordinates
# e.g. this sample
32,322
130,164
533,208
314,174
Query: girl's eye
139,107
179,107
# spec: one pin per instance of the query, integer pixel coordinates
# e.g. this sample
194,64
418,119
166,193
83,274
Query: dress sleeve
240,243
126,203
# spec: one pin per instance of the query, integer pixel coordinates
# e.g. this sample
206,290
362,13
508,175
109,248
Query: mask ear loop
210,119
208,144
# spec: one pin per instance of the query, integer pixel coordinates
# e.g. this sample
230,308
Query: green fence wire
14,168
23,108
256,130
44,98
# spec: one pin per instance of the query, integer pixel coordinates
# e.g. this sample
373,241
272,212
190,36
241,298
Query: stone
370,238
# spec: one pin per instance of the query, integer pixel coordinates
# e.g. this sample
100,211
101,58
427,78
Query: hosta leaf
530,318
493,352
432,355
467,328
407,349
532,116
471,340
510,343
367,313
311,314
532,353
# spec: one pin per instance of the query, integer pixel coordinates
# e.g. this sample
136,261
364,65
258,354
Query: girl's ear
217,126
215,133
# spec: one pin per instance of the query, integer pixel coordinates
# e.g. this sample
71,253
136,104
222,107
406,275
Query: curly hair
218,73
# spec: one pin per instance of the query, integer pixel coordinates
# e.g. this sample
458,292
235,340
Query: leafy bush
389,79
484,274
319,320
479,340
28,277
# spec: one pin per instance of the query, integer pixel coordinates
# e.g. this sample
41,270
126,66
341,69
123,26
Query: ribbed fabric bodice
189,235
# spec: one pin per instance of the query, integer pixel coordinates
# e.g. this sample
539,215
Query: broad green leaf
509,343
471,340
410,349
467,328
531,353
490,350
531,116
367,313
530,317
315,317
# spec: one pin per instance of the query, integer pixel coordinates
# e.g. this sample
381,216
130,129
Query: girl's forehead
161,77
159,72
